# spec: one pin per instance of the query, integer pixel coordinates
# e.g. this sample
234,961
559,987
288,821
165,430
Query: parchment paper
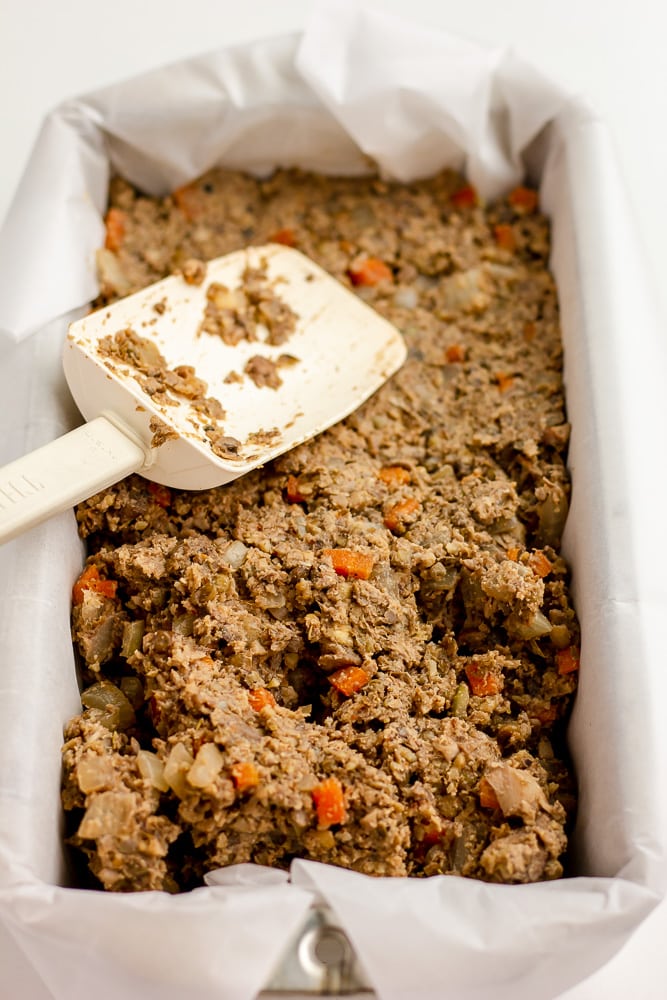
355,85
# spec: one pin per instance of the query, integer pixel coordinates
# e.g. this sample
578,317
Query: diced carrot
284,236
487,797
91,579
348,680
504,237
115,229
394,475
545,714
396,515
455,353
431,837
244,775
191,200
329,803
369,271
523,199
161,494
512,553
567,660
349,562
293,493
503,381
529,330
260,698
483,682
540,565
465,197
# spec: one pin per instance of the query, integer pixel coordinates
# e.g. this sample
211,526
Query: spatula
200,378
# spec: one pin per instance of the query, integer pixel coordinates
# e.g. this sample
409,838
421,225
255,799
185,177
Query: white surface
613,58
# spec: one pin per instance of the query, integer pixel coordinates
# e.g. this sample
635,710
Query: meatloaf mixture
363,653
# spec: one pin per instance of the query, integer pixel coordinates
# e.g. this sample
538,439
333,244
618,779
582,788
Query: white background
612,53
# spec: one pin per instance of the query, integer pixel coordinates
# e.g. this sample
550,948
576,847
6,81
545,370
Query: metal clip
320,961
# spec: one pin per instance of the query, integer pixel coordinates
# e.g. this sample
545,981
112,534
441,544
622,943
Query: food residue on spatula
243,313
169,387
252,312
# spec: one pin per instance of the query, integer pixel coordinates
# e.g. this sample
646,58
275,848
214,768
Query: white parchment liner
356,84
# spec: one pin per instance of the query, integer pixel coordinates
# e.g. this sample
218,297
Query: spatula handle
64,472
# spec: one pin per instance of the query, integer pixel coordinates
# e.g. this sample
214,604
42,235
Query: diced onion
177,765
234,554
94,772
537,626
109,814
110,272
406,298
152,769
518,792
207,766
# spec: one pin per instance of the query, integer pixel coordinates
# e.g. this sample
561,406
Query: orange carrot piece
91,579
394,476
370,271
567,660
512,553
349,562
545,715
284,236
504,237
483,682
161,494
503,381
293,493
523,200
455,353
487,797
540,565
191,200
329,803
349,680
260,698
431,837
465,197
244,775
114,224
396,515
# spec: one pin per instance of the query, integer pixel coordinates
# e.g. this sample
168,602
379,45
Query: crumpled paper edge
241,91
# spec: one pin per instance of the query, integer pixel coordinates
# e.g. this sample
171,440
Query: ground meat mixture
263,372
364,652
235,314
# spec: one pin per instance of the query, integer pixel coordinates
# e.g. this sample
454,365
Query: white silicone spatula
233,408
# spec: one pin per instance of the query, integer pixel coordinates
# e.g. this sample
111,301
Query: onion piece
206,767
109,814
234,554
94,772
534,628
177,765
518,792
406,297
111,273
152,769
